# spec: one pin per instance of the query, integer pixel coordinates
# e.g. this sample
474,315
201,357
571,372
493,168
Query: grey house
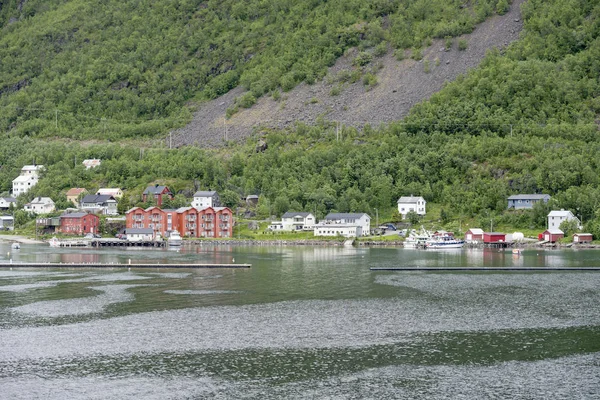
526,201
99,204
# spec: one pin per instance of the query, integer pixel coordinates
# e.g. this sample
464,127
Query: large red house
79,223
209,222
156,192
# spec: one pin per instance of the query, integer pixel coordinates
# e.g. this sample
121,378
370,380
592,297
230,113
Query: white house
40,205
410,203
27,179
99,204
344,224
204,199
91,163
114,192
139,234
555,218
294,221
5,202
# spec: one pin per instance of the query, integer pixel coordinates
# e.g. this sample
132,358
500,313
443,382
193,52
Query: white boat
444,242
54,242
15,246
417,240
174,239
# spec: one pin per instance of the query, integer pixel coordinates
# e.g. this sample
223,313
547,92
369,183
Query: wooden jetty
109,265
501,269
110,242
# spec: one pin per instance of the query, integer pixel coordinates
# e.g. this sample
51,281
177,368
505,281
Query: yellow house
114,192
73,195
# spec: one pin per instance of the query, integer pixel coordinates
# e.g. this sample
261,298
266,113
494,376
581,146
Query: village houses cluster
207,218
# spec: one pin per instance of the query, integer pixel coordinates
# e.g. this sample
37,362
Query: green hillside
525,121
128,68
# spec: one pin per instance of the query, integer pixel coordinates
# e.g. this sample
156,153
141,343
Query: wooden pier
484,269
109,265
109,242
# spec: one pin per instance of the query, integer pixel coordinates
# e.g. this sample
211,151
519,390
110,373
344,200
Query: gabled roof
554,231
108,190
336,216
24,178
9,199
410,199
156,189
75,215
205,193
529,197
41,200
97,198
291,214
76,191
32,167
476,231
561,213
92,162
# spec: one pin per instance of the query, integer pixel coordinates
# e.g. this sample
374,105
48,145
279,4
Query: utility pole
377,218
56,119
170,140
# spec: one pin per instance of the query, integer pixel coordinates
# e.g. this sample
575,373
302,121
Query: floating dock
109,265
501,269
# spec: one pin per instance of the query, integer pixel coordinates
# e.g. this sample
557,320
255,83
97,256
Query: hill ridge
401,85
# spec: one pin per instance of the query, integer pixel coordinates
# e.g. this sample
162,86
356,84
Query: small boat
444,242
15,246
174,239
516,252
54,242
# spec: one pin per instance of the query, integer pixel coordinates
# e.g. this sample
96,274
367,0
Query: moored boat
174,239
444,242
15,246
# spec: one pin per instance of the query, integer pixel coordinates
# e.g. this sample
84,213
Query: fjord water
303,322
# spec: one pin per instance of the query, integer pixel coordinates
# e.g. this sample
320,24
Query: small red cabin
494,237
553,235
474,235
582,238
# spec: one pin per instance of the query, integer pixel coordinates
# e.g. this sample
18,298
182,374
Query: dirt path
19,239
400,86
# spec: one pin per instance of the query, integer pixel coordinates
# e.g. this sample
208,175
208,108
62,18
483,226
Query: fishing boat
444,242
174,239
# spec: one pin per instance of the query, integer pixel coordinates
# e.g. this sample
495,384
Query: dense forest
525,121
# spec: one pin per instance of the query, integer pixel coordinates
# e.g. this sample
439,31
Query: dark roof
529,196
138,230
156,189
335,216
9,199
75,215
97,198
205,193
291,214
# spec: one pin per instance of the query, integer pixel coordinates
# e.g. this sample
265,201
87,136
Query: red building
494,237
209,222
79,223
552,235
156,192
474,235
582,238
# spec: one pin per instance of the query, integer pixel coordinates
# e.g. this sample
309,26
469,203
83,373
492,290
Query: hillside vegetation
524,121
127,68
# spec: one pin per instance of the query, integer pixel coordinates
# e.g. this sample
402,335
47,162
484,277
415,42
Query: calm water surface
302,323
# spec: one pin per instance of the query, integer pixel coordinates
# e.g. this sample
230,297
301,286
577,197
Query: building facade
294,221
410,203
208,222
30,174
156,192
40,205
555,218
6,202
206,199
526,201
79,223
344,224
99,204
73,195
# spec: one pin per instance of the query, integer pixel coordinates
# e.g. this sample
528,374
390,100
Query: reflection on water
302,323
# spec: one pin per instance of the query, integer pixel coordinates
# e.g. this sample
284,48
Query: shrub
462,44
362,59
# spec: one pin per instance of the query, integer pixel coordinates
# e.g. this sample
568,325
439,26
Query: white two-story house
203,199
30,174
6,202
344,224
40,205
555,218
410,203
294,221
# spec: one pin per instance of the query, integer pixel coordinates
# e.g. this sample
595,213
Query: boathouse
474,235
494,237
552,235
582,238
